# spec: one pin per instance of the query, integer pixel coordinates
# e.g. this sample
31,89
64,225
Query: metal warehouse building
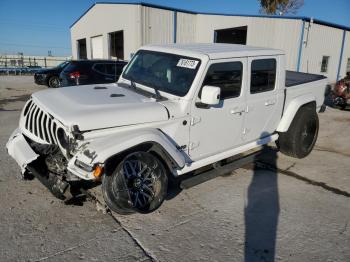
117,30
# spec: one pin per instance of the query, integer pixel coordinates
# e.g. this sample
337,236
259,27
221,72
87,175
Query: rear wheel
138,184
54,82
301,136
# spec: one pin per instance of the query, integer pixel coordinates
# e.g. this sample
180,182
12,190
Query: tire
138,184
54,82
302,134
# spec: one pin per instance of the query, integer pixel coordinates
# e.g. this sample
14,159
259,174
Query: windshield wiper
156,95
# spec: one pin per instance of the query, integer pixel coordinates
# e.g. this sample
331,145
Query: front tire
302,134
54,82
138,184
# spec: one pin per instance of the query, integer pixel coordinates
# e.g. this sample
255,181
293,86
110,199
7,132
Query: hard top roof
215,50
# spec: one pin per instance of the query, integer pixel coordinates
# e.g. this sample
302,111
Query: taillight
74,75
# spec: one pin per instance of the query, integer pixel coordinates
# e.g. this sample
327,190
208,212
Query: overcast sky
36,26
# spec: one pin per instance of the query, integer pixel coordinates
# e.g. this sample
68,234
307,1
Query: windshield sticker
187,63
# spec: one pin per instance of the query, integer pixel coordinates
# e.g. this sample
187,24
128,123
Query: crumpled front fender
99,150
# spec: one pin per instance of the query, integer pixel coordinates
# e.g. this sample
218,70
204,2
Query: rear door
218,128
265,97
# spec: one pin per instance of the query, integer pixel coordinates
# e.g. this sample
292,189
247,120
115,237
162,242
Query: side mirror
210,95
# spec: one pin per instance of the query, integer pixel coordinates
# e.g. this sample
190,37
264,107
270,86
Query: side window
113,69
100,68
263,75
227,76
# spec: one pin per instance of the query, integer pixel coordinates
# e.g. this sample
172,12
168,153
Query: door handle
237,110
270,102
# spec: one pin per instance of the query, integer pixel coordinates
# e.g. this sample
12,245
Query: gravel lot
287,210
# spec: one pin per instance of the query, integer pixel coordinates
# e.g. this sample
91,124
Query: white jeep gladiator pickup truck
176,108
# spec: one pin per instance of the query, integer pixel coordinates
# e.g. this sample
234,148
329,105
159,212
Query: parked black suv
50,76
84,72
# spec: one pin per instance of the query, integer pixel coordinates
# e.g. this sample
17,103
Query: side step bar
218,171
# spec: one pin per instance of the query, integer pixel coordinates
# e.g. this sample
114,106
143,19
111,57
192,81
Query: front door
216,129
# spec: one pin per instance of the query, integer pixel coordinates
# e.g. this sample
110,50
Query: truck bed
303,84
294,78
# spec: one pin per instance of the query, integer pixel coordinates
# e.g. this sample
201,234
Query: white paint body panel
299,95
193,137
91,108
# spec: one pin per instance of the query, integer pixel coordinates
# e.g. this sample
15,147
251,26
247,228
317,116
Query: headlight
83,166
63,139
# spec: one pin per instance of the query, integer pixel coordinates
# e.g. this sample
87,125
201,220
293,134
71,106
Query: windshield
170,73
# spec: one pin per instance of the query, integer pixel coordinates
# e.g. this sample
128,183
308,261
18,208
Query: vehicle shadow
262,210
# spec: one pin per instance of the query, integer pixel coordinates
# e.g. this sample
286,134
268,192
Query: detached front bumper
19,149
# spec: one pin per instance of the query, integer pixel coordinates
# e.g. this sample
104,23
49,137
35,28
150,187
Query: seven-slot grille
40,123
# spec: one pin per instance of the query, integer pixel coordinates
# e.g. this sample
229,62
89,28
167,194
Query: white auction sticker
187,63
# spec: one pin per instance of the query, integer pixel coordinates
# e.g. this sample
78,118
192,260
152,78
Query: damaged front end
44,148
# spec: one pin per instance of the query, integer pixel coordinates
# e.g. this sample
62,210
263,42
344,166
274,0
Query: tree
280,7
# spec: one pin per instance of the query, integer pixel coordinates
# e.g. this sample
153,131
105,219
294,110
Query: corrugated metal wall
103,19
276,33
266,32
147,25
157,26
321,41
186,28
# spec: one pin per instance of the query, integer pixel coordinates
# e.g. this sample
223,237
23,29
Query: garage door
97,47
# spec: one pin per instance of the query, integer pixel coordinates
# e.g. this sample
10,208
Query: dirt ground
286,210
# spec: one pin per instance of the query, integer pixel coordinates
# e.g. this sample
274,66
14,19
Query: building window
324,65
82,54
263,75
236,35
227,76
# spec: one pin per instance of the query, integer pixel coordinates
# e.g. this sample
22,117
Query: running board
219,171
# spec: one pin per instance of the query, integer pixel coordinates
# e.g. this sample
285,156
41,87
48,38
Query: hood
99,106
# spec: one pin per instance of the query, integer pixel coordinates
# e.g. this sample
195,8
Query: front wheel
54,82
138,184
302,134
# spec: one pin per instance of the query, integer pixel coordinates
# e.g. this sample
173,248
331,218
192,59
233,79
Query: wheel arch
111,149
152,147
292,109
